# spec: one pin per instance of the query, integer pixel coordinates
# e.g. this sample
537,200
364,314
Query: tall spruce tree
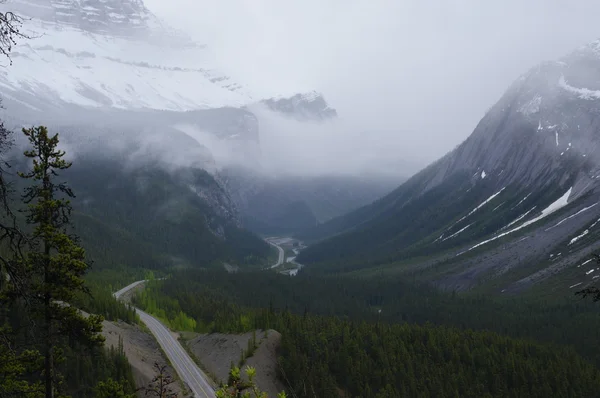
54,262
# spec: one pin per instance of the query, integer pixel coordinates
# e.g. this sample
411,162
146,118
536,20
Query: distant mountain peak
303,106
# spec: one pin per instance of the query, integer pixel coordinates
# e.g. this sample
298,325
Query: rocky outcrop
302,107
121,17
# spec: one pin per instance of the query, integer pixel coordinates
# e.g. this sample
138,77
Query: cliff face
117,17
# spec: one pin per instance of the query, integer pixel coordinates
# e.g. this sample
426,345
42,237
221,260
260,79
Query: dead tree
10,31
159,386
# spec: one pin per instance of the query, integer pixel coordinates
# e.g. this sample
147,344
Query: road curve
185,367
281,254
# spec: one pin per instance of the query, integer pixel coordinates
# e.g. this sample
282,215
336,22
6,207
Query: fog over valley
414,77
299,198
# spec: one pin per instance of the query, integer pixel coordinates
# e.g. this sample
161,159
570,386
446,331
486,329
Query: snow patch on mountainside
556,205
457,232
522,216
571,216
583,93
522,200
485,202
575,239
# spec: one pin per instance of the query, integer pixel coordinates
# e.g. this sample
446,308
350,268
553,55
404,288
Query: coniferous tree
55,263
238,388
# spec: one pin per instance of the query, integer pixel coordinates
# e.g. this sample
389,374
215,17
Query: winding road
281,253
186,368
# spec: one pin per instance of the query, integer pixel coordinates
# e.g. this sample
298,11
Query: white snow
457,232
594,224
556,136
540,128
497,207
523,200
590,271
556,205
577,284
586,262
582,93
483,174
475,209
95,70
596,276
571,216
486,201
575,239
516,220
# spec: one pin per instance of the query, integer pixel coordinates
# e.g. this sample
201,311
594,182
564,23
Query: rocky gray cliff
302,107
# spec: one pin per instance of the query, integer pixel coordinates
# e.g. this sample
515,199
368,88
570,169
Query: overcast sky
417,74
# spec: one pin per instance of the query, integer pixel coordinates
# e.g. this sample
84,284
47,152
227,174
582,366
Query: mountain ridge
532,158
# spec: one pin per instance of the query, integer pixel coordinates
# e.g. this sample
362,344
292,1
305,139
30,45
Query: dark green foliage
335,338
41,333
89,371
169,311
54,263
238,388
370,360
100,301
149,217
101,285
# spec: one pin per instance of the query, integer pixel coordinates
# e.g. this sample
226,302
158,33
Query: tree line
389,338
43,335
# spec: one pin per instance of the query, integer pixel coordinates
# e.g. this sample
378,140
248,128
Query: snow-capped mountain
116,54
111,54
105,66
515,202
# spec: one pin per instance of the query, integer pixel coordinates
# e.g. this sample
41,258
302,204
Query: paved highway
281,254
187,370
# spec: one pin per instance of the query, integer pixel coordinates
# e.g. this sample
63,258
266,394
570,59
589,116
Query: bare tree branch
10,31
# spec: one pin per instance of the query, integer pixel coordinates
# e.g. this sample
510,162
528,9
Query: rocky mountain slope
150,205
514,204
